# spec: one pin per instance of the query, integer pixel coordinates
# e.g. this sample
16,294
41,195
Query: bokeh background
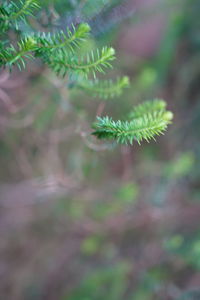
83,220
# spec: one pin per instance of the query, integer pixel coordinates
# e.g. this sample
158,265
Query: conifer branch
104,89
93,62
71,39
58,51
15,11
145,127
42,44
147,107
13,55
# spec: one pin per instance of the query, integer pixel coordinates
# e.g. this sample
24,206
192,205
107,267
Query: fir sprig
145,127
93,62
59,51
14,11
71,40
104,88
16,55
43,44
147,107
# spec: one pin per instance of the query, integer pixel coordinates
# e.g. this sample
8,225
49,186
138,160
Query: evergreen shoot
61,51
144,126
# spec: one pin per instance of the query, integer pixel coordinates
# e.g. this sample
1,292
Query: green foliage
186,247
105,88
128,193
181,166
95,61
91,245
72,39
12,12
157,105
61,51
12,55
151,119
44,45
114,206
109,281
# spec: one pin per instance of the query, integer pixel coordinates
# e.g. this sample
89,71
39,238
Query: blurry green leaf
196,248
104,210
108,283
174,242
181,166
90,245
146,79
128,193
187,248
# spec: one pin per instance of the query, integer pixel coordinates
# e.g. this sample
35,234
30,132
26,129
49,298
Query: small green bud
83,29
168,116
111,51
125,81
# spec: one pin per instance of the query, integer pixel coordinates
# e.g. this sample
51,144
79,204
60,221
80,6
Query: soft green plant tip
90,245
31,41
168,116
83,28
111,51
126,81
160,102
175,242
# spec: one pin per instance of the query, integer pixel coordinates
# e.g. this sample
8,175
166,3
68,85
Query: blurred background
83,220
